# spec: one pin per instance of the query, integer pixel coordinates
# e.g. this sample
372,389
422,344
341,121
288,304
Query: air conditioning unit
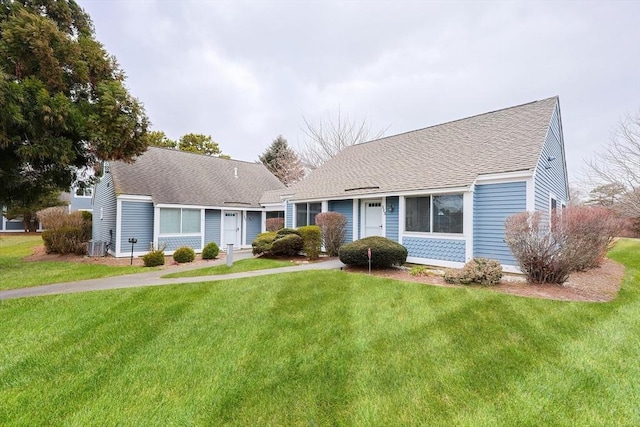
96,248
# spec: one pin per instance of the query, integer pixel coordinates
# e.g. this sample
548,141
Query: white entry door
232,229
373,218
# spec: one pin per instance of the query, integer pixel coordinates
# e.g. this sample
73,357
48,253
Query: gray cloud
245,72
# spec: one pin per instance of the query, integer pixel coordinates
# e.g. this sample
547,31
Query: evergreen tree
63,102
282,161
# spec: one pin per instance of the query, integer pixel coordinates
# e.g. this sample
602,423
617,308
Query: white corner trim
467,224
156,226
531,194
202,226
118,226
355,220
263,221
401,217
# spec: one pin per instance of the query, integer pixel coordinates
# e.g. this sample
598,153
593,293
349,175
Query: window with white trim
306,213
435,214
179,221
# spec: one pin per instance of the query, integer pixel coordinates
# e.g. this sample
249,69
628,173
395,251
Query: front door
232,229
373,218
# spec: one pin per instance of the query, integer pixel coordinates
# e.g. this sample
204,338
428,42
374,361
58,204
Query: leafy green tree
157,138
282,161
201,144
63,103
27,207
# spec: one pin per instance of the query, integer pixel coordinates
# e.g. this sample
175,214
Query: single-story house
173,198
444,191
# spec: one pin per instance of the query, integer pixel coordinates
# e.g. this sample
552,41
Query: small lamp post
229,254
133,241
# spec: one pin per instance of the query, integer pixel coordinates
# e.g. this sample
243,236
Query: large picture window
306,213
437,214
418,214
179,221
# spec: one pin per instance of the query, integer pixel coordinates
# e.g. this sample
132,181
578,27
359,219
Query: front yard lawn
17,273
249,264
321,348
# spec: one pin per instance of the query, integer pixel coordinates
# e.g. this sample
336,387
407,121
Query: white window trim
431,210
181,234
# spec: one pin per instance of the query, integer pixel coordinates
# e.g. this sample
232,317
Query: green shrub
286,231
262,243
184,254
479,270
288,245
311,241
153,258
384,252
210,251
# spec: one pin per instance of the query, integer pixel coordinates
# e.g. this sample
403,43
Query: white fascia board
219,208
368,196
134,198
271,207
499,178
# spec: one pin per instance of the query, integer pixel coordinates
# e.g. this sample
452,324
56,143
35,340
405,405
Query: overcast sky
246,72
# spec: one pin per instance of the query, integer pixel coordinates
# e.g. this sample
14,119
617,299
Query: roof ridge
456,120
202,155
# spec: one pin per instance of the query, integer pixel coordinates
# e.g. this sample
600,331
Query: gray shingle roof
449,155
176,177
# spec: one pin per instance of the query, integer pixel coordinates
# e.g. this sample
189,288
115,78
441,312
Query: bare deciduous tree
619,165
329,136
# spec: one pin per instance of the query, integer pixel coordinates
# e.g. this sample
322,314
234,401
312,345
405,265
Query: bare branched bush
574,239
65,232
333,226
275,224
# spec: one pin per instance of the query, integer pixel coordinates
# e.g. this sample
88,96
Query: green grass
321,348
16,273
250,264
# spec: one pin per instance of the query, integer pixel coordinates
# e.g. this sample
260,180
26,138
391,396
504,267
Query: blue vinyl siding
392,219
212,226
492,204
550,177
79,203
254,225
288,218
437,249
104,211
137,222
174,242
345,207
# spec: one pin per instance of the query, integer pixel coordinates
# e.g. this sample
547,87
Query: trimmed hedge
184,254
262,243
285,231
311,241
384,252
288,245
210,251
153,258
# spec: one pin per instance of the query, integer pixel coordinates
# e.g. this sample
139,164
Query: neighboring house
445,191
76,199
174,198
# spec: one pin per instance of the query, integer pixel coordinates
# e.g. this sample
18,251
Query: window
306,213
83,192
447,214
437,214
179,221
275,214
418,216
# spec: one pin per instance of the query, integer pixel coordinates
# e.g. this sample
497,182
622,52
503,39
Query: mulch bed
598,285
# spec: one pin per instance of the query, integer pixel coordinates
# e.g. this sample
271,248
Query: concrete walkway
152,278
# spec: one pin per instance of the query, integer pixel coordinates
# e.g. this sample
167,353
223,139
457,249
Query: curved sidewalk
153,278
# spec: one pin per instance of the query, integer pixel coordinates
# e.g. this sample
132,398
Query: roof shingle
448,155
177,177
